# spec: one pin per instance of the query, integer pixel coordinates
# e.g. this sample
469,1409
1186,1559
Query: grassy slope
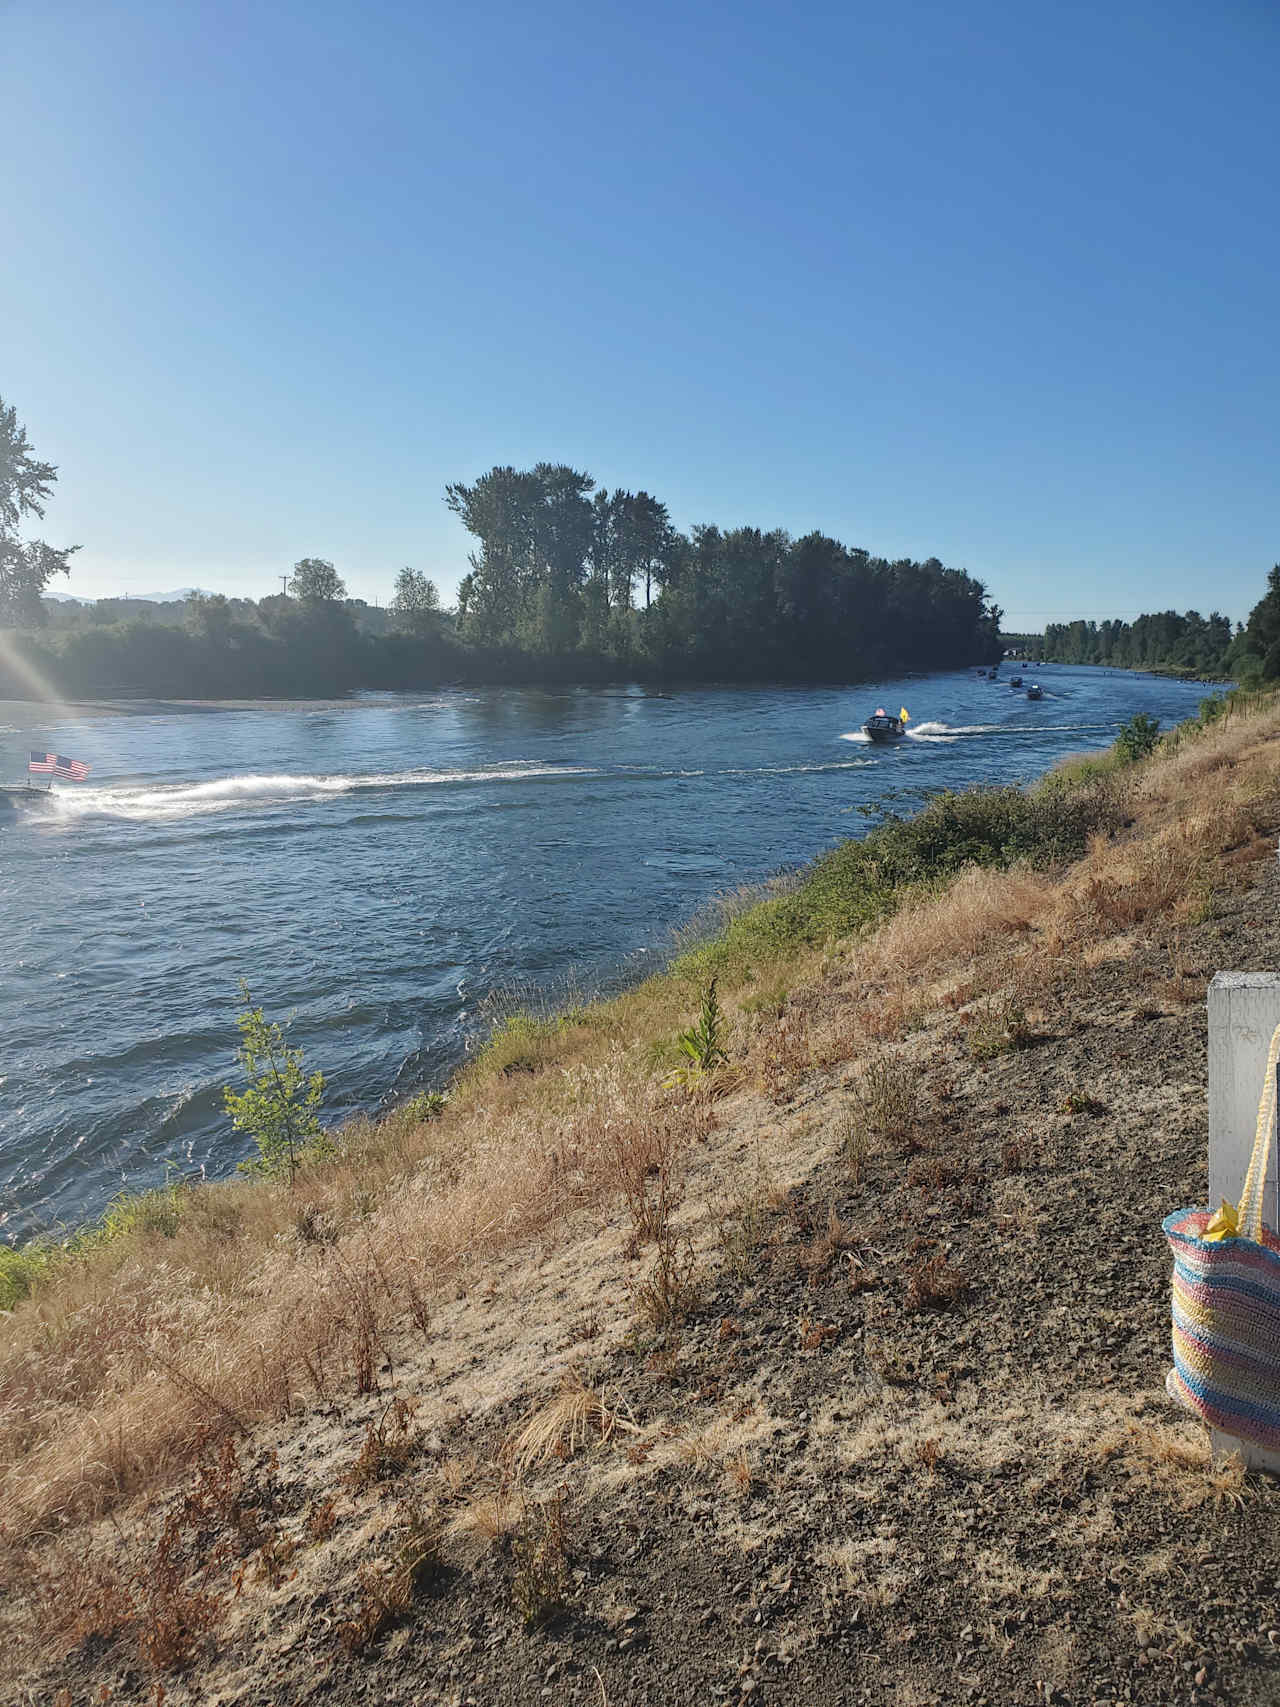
231,1306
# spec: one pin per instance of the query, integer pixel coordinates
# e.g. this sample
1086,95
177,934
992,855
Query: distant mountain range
144,598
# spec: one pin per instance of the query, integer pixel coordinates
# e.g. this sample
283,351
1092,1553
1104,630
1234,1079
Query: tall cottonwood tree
535,530
416,605
316,581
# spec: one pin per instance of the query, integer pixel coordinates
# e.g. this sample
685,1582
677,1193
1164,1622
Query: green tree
26,566
498,511
316,581
278,1106
416,605
1256,652
211,617
536,529
1137,740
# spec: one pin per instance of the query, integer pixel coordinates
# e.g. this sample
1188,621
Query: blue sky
995,282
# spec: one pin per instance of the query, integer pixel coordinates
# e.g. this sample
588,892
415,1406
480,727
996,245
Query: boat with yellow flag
881,727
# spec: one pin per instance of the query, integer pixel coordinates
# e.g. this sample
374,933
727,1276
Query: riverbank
837,1364
1170,672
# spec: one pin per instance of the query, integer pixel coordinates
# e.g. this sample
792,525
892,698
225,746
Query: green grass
131,1213
19,1271
519,1043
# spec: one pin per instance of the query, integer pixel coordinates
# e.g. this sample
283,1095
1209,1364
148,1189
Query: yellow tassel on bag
1225,1224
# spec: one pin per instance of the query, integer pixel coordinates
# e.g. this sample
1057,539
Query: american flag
54,764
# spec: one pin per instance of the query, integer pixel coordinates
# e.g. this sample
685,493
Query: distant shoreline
1169,671
159,705
69,710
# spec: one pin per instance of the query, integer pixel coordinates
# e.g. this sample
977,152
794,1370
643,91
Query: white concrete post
1244,1010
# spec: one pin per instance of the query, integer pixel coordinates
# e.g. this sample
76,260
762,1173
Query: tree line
565,582
310,640
1186,643
561,568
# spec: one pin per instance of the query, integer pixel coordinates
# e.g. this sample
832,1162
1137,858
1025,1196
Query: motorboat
883,728
23,798
1015,681
1035,691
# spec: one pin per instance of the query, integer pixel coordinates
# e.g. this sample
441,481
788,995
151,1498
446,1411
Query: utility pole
284,586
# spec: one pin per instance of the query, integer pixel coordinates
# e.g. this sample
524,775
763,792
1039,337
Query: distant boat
1015,681
1035,691
881,727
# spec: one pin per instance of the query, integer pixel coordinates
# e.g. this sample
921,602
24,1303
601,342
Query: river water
377,866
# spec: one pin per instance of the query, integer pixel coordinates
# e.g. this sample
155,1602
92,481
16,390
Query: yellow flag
1224,1225
905,715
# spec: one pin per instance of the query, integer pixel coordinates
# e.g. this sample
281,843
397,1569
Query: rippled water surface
377,866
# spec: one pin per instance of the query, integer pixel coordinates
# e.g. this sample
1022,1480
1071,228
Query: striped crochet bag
1226,1301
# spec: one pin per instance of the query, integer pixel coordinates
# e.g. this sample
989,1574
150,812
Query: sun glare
26,673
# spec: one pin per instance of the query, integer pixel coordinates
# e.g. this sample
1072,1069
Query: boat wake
953,731
936,732
157,802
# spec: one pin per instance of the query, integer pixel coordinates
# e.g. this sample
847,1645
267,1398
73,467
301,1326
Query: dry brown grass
1175,1462
390,1445
109,1376
388,1586
268,1300
884,1106
671,1288
565,1424
166,1595
979,908
540,1550
933,1283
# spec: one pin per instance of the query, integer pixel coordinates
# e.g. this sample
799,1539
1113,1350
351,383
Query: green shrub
278,1106
860,883
19,1271
771,1000
1138,739
424,1106
513,1046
